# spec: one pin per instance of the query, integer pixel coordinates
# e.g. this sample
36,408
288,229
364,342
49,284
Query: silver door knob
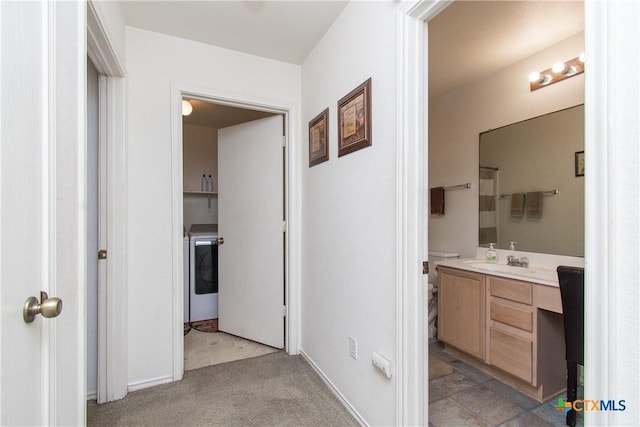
220,240
48,307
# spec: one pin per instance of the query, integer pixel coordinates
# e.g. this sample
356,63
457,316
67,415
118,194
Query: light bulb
187,108
559,67
535,77
581,57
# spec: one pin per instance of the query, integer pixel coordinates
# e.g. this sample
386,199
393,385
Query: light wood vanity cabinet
461,310
508,328
511,326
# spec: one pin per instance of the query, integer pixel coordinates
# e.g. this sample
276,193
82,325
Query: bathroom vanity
505,322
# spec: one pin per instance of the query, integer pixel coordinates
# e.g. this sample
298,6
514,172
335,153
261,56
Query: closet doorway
234,234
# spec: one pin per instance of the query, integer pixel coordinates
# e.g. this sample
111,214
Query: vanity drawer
514,316
511,354
512,290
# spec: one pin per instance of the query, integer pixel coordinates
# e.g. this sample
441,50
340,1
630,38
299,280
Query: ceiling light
187,108
559,72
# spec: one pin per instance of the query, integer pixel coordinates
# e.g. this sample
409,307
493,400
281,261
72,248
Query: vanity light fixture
187,108
559,72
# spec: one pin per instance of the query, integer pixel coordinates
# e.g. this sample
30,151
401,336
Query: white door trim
99,47
65,116
112,291
612,235
411,223
292,208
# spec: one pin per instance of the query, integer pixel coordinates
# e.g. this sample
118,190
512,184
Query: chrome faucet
515,262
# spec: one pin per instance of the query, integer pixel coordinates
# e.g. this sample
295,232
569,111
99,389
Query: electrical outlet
353,347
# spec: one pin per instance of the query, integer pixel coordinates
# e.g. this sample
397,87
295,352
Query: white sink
535,272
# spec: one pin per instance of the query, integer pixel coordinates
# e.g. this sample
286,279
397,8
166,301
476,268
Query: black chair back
571,280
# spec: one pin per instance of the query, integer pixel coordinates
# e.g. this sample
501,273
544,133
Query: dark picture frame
579,163
318,138
354,119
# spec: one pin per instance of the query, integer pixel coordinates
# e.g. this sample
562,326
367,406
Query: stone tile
447,412
550,414
468,370
434,344
437,349
512,394
488,405
448,385
526,420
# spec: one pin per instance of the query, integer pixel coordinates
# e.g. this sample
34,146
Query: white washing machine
203,272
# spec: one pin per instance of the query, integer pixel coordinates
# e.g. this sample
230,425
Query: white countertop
542,267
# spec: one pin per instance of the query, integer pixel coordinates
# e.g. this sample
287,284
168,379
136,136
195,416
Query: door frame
112,147
292,256
612,134
412,222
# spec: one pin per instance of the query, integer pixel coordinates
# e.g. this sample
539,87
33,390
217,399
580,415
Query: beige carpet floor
271,390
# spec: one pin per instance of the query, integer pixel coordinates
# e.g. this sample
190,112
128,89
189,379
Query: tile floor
210,348
465,396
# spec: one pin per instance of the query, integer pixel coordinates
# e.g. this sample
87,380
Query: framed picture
579,163
318,133
354,120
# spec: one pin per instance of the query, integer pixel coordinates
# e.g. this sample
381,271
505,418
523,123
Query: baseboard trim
139,385
335,390
92,395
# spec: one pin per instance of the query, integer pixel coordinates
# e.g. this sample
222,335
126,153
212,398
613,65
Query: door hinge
284,226
284,140
102,254
425,267
284,311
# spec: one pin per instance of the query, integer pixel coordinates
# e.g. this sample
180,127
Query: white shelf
209,194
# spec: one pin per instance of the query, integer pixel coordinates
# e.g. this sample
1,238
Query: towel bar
546,193
454,187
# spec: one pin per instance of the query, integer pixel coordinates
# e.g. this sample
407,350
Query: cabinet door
512,354
461,308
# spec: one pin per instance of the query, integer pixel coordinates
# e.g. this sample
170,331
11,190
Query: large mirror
532,184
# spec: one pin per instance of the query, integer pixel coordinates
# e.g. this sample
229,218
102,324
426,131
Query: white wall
154,62
200,155
348,230
457,118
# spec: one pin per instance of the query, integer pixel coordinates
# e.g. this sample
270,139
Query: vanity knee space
511,329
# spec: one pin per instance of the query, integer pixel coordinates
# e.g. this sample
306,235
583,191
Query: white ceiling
282,30
470,40
220,116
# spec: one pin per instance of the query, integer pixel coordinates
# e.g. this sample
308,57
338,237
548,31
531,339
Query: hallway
274,389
